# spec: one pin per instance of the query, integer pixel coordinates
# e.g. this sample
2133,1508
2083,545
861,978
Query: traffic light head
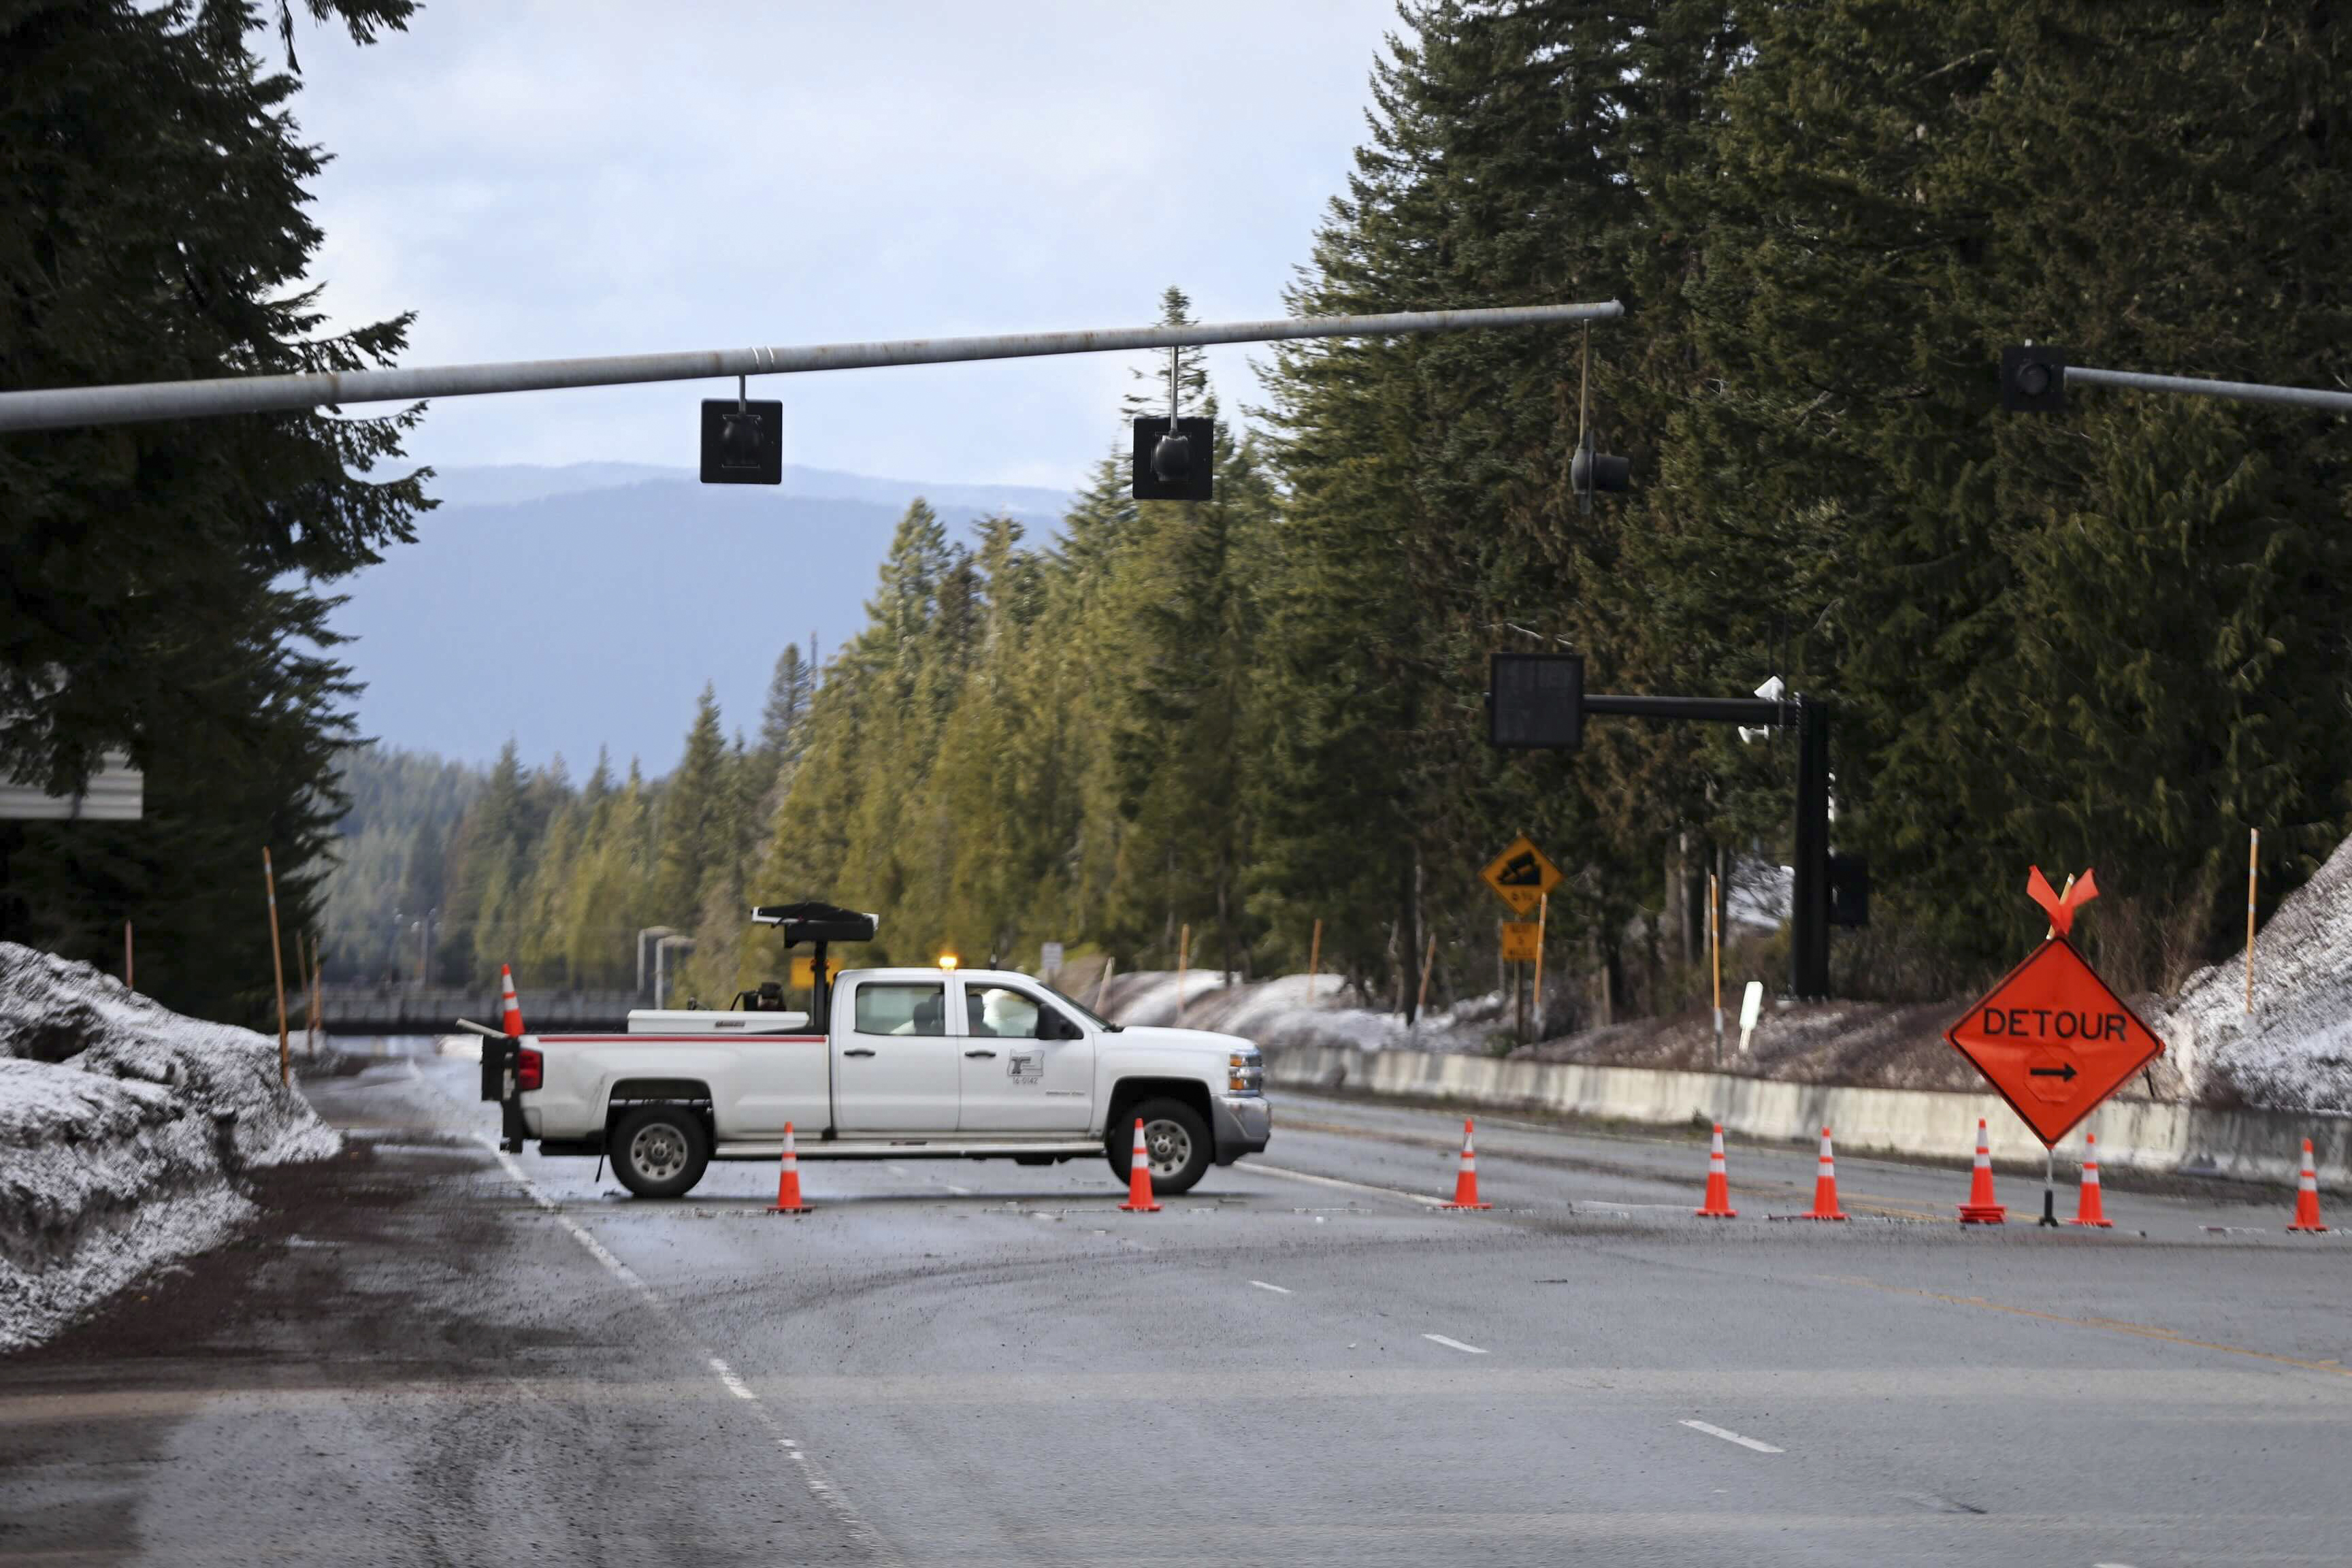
2033,380
1535,701
742,442
1594,470
1174,464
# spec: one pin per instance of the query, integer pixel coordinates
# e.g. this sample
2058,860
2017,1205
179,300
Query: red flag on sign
2060,907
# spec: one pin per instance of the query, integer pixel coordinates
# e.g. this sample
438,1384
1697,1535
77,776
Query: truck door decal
1025,1067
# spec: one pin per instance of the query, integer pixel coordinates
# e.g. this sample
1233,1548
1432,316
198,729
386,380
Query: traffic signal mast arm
2237,390
2033,380
52,407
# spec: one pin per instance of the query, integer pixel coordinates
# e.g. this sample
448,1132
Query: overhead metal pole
52,407
2236,391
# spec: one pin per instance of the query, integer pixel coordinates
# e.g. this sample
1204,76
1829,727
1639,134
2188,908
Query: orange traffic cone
511,1018
1139,1177
1982,1207
788,1180
1718,1183
1466,1186
1825,1204
2086,1208
2306,1196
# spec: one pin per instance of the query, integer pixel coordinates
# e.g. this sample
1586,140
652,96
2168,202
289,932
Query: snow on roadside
123,1126
1277,1014
2294,1051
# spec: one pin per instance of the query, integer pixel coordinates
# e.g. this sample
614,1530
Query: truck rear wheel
660,1150
1175,1142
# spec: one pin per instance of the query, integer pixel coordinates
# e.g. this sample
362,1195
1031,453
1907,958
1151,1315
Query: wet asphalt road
428,1354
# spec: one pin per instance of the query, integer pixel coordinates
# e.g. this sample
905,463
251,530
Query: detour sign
2053,1040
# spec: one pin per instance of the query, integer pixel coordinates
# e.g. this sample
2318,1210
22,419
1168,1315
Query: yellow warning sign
803,970
1521,875
1521,941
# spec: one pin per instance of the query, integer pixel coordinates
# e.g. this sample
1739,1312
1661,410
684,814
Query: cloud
544,179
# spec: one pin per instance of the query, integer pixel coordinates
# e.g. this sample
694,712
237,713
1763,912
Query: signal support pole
1808,913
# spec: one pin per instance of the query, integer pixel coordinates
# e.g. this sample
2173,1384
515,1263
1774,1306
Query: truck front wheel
1175,1142
660,1150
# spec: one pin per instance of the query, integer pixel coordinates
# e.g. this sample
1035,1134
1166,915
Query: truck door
1028,1066
898,1070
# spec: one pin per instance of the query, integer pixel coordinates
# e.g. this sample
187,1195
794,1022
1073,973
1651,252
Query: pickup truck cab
908,1063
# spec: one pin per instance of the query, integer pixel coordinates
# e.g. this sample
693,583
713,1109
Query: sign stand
2052,1038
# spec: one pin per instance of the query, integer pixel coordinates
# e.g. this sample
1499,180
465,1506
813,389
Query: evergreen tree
789,690
695,833
162,587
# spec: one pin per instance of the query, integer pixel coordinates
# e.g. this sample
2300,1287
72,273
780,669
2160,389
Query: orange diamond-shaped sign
2053,1040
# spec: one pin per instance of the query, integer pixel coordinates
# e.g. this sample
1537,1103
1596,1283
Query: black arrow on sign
2067,1072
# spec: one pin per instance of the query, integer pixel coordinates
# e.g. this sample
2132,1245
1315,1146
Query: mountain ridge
575,618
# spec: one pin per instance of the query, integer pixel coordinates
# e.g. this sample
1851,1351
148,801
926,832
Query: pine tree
161,588
789,692
694,814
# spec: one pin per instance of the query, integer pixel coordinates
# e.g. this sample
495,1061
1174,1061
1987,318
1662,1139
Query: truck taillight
530,1070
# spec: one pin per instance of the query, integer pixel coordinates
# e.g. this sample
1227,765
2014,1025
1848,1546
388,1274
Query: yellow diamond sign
1521,875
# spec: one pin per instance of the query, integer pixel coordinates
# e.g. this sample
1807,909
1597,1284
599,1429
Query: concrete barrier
2244,1145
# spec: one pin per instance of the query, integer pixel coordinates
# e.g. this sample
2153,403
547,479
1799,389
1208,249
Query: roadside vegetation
2115,638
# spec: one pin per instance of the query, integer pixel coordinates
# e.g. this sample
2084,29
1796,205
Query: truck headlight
1246,1072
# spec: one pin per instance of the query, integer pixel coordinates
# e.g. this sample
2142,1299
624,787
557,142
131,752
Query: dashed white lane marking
899,1170
1277,1290
1714,1431
1455,1345
732,1383
960,1191
819,1487
1422,1198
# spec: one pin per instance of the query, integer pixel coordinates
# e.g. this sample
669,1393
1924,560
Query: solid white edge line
1422,1198
1455,1345
812,1476
1277,1290
1714,1431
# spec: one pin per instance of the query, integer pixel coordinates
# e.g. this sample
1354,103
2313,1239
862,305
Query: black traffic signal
1178,465
2033,380
1535,701
1594,470
742,442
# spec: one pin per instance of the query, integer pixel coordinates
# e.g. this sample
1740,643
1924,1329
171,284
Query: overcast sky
540,179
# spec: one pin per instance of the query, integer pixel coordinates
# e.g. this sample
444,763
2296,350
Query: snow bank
1278,1014
122,1125
2294,1051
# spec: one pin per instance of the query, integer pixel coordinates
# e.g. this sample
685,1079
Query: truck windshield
1079,1008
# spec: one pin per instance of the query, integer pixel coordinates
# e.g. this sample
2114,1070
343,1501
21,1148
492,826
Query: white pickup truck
900,1064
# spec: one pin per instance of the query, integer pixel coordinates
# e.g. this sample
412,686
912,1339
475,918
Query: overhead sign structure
1521,876
2053,1038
